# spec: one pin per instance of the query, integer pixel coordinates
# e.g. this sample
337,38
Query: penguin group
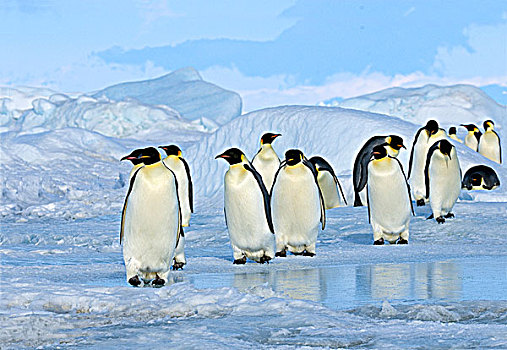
275,206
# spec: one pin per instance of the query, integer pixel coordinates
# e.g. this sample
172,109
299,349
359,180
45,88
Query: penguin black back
477,174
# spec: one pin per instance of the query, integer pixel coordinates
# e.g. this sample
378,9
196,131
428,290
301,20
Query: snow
62,276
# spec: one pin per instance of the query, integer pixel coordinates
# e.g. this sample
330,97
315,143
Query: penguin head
268,137
171,150
452,130
144,156
445,148
470,127
395,142
379,152
293,157
431,127
476,180
488,124
233,156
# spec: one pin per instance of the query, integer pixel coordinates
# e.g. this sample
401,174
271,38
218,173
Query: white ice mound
183,90
334,133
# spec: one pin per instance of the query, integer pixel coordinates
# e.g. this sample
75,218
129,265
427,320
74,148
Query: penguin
151,220
424,138
452,134
480,177
181,170
266,161
473,136
442,177
247,210
297,205
360,175
389,199
328,183
489,143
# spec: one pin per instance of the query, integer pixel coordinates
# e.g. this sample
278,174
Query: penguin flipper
412,152
131,185
190,186
408,186
310,166
360,170
430,217
265,195
427,168
340,188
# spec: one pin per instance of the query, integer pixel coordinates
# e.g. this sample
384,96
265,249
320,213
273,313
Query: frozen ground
62,281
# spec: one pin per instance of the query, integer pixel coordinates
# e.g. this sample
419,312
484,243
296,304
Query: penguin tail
430,217
357,200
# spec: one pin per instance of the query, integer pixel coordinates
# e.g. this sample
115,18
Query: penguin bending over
489,143
473,136
181,170
298,206
266,161
443,179
247,210
389,200
150,224
393,145
452,134
328,183
424,138
480,177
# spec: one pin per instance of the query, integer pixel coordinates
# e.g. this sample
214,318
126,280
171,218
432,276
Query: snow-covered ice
62,275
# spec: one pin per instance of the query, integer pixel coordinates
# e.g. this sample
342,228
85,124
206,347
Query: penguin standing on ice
489,143
247,210
393,145
452,134
266,161
150,224
480,177
442,179
298,206
389,201
424,138
473,136
181,170
328,183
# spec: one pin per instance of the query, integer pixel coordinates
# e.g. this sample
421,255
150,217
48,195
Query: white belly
245,214
267,163
445,183
295,205
471,141
489,146
151,221
388,198
178,168
329,190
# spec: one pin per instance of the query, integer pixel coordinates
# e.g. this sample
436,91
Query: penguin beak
222,156
276,135
128,158
402,146
161,147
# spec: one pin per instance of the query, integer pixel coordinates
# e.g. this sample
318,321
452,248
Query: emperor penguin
328,183
266,161
297,205
389,200
393,144
442,175
452,134
473,136
424,138
181,170
247,210
489,143
480,177
150,224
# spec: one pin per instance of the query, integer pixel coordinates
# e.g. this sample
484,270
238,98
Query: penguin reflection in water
389,201
181,170
247,210
150,224
298,206
443,180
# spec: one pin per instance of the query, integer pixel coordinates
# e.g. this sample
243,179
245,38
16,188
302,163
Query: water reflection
349,286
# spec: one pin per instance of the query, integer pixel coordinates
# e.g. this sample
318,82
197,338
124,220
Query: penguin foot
379,242
449,216
178,265
430,217
402,241
241,261
157,282
298,253
307,253
420,203
264,259
281,254
440,220
134,281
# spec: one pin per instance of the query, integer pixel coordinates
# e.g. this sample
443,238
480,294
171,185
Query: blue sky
271,52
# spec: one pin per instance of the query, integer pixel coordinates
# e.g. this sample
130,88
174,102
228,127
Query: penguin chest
266,163
388,196
178,168
444,181
328,189
489,146
471,141
244,208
